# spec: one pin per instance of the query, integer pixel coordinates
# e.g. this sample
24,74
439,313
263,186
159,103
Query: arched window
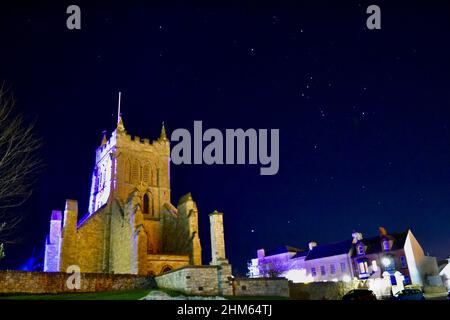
135,172
146,174
100,179
146,204
166,269
127,171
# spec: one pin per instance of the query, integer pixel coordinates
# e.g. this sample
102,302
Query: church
131,226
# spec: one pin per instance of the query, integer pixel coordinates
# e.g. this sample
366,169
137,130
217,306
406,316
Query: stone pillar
196,249
217,239
188,207
69,236
52,245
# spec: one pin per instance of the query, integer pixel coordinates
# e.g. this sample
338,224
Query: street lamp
386,262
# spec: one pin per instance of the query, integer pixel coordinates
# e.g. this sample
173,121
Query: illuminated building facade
131,225
395,259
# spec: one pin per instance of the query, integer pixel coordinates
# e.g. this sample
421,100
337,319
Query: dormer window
360,249
386,246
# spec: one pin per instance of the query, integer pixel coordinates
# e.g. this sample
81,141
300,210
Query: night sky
364,115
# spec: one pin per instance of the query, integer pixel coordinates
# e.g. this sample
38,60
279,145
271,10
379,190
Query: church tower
124,165
131,226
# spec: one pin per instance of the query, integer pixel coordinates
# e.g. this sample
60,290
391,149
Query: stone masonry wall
278,287
91,240
193,280
15,282
322,290
216,280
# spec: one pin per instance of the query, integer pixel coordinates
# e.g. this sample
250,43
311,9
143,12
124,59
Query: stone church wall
121,243
91,243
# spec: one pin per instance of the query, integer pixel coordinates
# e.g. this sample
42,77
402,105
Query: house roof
300,254
329,250
280,250
374,244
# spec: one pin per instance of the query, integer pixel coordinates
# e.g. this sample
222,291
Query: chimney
357,236
312,244
261,253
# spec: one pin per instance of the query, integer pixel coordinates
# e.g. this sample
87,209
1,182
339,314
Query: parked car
359,295
410,294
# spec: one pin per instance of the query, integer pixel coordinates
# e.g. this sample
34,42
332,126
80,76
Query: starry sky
364,115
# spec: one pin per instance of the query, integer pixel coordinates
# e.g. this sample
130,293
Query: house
329,262
444,272
386,260
272,263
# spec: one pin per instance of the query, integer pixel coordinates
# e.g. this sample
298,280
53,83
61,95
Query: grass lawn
110,295
255,298
117,295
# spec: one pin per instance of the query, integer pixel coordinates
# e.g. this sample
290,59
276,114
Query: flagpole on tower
118,111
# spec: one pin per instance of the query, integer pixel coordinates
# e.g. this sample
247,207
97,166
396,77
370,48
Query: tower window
146,204
136,172
128,171
146,174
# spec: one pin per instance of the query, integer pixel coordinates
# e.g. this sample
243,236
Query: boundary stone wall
23,282
197,280
278,287
322,290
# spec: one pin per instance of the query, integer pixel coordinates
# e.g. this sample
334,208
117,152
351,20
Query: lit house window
332,269
403,262
322,270
363,268
313,272
374,266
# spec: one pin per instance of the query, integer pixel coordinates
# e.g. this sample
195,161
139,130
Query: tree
274,267
18,166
